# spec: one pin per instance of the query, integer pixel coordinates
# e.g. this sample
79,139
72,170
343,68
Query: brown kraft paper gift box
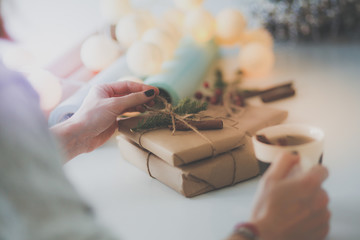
185,147
199,177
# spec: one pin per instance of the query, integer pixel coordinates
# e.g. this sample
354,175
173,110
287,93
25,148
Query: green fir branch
157,120
219,81
163,119
188,106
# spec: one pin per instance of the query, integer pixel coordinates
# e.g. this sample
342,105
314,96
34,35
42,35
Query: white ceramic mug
310,152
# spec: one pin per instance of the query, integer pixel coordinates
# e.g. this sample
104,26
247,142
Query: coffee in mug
269,143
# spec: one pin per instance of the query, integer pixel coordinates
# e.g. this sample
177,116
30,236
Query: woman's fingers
313,179
318,224
126,96
140,108
321,199
127,87
132,101
281,167
307,186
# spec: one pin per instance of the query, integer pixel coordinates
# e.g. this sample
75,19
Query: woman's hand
292,207
95,122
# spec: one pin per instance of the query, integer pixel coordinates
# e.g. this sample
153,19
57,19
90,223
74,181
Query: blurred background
49,27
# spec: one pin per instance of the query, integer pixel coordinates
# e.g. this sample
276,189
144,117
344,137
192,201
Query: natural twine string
148,164
233,181
230,108
174,117
168,110
234,171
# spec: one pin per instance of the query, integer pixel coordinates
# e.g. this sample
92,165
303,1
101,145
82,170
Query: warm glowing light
98,52
174,32
144,58
259,35
147,17
230,24
256,60
188,4
48,87
172,22
17,58
174,17
161,39
131,28
114,10
200,24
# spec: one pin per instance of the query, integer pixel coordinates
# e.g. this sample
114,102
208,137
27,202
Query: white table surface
135,206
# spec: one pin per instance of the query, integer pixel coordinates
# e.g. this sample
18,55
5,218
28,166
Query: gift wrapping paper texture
185,161
184,146
199,177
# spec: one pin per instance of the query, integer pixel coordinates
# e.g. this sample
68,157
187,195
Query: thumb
132,100
281,167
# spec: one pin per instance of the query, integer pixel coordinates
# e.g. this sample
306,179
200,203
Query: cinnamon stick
278,93
282,141
200,125
263,139
253,93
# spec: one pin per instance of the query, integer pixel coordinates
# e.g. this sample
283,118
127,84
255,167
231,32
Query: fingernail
149,93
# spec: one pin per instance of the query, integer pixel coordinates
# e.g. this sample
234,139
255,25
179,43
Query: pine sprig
188,106
154,121
219,81
163,119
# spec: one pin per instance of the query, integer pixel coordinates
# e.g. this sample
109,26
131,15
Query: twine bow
168,110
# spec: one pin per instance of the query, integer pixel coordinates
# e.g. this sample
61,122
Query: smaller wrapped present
198,177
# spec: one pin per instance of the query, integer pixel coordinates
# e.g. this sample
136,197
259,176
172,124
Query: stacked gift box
192,165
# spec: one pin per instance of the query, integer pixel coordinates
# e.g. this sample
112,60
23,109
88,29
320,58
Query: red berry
218,92
238,103
198,95
206,85
214,100
237,98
